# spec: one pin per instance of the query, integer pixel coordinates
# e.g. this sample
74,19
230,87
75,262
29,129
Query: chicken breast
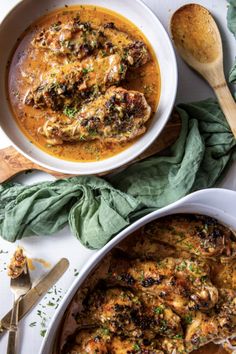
133,52
90,341
122,312
184,285
70,85
221,323
98,341
75,38
117,116
115,308
204,237
78,40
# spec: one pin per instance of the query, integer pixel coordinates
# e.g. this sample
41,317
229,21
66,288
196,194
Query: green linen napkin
197,160
97,209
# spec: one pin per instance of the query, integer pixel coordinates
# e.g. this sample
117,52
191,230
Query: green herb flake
136,347
204,278
87,70
122,69
32,324
182,266
188,319
76,272
178,336
159,310
191,267
39,313
142,276
56,26
43,332
105,331
70,111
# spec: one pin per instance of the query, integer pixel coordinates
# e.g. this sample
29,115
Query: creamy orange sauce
27,67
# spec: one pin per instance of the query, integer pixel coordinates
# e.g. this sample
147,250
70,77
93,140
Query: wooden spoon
198,41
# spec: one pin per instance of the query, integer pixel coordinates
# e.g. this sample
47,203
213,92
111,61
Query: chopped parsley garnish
87,70
188,319
43,332
105,331
188,245
182,266
191,267
122,69
204,278
136,346
82,137
56,26
163,327
159,310
76,272
32,324
70,111
178,336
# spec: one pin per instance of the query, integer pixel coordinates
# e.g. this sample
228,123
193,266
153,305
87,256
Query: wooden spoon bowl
198,41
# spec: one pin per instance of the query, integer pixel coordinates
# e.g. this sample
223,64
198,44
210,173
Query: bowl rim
97,167
210,198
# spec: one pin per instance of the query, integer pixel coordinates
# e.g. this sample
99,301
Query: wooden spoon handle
227,104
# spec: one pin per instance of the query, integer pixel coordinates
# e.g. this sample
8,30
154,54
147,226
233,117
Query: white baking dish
217,203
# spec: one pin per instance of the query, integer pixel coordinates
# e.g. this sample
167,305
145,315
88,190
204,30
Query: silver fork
19,286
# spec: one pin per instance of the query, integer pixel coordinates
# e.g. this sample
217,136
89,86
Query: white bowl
217,203
28,11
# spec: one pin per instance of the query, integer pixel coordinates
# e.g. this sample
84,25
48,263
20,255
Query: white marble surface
191,87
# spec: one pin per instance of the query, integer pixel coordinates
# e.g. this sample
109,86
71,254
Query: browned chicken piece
121,312
219,323
116,309
74,38
69,86
134,53
98,341
182,284
117,116
223,275
78,40
173,345
132,346
17,264
162,319
90,341
204,237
